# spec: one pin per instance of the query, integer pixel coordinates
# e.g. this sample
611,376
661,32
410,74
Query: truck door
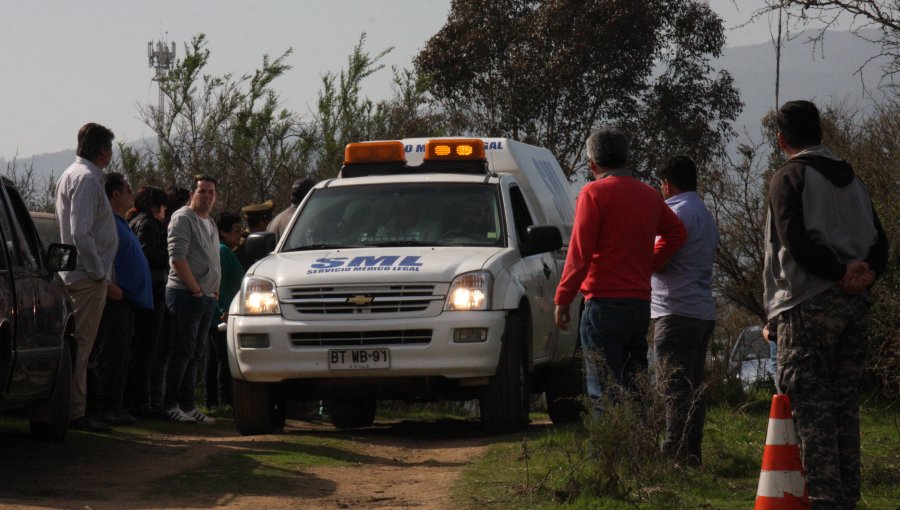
35,361
539,275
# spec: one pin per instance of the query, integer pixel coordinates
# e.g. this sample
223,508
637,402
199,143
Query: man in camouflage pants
824,248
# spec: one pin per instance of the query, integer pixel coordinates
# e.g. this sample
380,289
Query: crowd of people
155,274
637,256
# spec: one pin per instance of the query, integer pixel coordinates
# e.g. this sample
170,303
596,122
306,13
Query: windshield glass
399,215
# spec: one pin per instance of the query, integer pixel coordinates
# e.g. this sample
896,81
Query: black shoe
119,419
87,424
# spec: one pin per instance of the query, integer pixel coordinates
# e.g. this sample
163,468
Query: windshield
399,215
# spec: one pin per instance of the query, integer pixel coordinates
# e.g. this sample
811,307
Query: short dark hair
608,147
680,171
149,197
113,182
226,220
195,180
178,198
300,188
92,139
799,123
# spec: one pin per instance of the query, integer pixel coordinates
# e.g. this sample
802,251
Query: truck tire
258,407
351,414
51,418
565,390
504,401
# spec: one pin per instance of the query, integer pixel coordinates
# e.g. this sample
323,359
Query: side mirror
259,244
541,239
61,257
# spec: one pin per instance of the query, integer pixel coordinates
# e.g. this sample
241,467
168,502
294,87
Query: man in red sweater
612,253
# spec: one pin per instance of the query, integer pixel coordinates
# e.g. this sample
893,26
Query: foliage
37,195
234,129
548,73
871,143
548,468
882,15
736,194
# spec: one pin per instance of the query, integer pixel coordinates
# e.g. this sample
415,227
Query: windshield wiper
408,243
322,247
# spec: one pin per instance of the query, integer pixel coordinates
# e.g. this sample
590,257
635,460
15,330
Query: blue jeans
617,330
189,320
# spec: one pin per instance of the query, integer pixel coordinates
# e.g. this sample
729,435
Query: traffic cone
782,482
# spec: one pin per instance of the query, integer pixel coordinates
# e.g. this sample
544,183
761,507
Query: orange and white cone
782,482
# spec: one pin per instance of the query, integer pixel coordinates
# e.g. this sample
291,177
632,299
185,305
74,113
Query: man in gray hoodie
824,248
191,297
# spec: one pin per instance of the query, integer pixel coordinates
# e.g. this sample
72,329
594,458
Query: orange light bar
374,152
468,149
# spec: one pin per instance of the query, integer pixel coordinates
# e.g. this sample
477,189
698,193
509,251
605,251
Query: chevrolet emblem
360,300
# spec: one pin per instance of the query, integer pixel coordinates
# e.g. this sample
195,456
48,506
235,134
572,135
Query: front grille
375,299
345,338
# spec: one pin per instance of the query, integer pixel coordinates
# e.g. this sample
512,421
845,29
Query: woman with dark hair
148,362
218,376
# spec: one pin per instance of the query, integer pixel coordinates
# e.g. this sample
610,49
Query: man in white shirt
86,221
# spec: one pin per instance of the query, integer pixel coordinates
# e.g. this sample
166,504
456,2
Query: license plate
358,359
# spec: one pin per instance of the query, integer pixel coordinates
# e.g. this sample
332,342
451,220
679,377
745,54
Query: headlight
470,291
258,297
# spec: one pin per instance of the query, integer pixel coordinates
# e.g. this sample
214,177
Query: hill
823,74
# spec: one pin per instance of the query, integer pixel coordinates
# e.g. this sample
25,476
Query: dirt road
391,465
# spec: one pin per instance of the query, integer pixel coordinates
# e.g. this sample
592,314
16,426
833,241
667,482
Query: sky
66,63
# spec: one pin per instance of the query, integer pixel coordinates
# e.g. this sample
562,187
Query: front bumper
283,361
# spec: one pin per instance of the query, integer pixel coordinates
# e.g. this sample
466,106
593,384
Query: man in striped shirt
86,221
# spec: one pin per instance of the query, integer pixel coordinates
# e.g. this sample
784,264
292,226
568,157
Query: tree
235,130
881,15
549,72
227,127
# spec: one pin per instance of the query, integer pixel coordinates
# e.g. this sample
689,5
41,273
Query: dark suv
36,321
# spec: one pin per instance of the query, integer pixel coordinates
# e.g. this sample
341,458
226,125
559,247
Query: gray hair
608,147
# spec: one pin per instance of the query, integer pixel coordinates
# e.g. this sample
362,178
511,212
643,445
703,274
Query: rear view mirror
259,245
61,257
541,239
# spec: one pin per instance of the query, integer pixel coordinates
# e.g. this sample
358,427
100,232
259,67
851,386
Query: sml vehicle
426,270
36,321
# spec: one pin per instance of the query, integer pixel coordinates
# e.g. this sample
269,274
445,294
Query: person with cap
299,190
258,217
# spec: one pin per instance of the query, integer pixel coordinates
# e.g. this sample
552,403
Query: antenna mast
162,58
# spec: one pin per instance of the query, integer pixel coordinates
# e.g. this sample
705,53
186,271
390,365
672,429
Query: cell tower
162,58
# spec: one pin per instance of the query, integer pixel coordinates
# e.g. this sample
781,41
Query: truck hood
373,265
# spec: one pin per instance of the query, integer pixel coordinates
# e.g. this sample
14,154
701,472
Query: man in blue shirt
683,306
130,286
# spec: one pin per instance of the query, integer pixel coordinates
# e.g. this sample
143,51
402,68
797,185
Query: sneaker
199,417
178,416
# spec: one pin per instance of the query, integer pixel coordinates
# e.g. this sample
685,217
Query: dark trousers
218,376
617,330
821,352
680,346
189,320
112,351
148,328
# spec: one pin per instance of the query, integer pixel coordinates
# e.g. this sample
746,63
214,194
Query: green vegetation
551,467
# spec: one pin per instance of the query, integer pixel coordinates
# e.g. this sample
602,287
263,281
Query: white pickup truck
426,270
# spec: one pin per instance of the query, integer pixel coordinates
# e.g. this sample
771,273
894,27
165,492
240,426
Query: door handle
547,271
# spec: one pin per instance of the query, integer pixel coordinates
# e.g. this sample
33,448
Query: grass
547,468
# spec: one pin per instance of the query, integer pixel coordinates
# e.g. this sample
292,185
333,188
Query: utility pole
162,57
